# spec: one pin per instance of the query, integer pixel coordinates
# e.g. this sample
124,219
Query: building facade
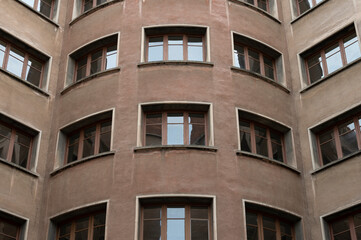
179,120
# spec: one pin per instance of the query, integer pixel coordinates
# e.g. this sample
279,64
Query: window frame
165,45
314,4
14,130
36,4
322,52
73,222
261,60
93,5
89,61
187,218
338,146
8,47
185,126
255,3
277,219
80,131
268,137
18,229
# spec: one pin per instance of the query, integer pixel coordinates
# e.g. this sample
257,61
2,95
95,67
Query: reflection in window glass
33,71
196,129
175,48
328,147
29,2
239,57
195,49
111,57
96,62
315,68
15,62
352,48
44,7
304,5
333,58
347,134
155,49
175,128
254,62
245,134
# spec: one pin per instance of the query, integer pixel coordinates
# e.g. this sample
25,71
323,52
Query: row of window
183,44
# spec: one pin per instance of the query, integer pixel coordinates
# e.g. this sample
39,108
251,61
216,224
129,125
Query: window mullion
94,3
337,142
164,222
253,138
25,64
324,64
165,47
88,65
185,47
261,61
260,226
246,58
278,229
11,145
342,51
358,132
97,139
90,227
185,129
7,54
269,143
81,144
164,129
104,57
352,228
187,222
72,230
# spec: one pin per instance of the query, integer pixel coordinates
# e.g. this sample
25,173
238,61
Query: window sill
95,9
308,11
13,165
90,77
276,84
39,90
267,14
266,159
38,13
330,75
158,63
174,147
72,164
336,162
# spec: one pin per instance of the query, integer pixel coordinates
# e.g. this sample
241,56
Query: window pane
2,53
89,142
82,223
153,135
285,228
101,1
199,230
151,230
245,141
333,58
175,212
175,118
82,235
88,4
260,131
111,58
65,229
175,230
268,67
29,2
357,219
99,219
304,5
358,232
8,229
96,62
81,68
250,1
352,48
269,223
175,48
4,147
262,4
348,138
199,212
254,63
45,7
73,148
269,235
239,59
196,134
195,49
261,146
99,233
315,68
33,72
152,212
20,155
328,152
343,236
104,144
252,233
175,134
155,49
15,62
277,152
340,226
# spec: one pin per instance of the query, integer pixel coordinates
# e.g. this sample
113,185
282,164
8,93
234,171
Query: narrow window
45,7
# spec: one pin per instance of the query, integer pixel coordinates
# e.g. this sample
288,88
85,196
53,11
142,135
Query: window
257,58
88,227
89,4
9,230
89,141
45,7
21,61
304,5
176,44
176,220
96,57
262,226
331,55
262,4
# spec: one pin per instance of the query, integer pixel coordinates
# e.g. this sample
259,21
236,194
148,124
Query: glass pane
152,212
175,48
328,152
260,131
2,53
153,135
104,144
252,233
88,146
174,134
175,212
8,229
199,230
88,4
65,229
155,50
343,236
261,146
250,1
29,2
82,235
81,68
262,4
340,226
96,62
175,118
277,152
348,138
196,134
99,219
269,223
333,58
89,132
99,233
82,224
251,218
195,49
326,136
45,7
269,72
316,71
15,62
20,155
358,233
111,58
175,230
5,131
3,237
154,118
352,52
151,230
254,63
357,219
245,141
285,228
33,76
199,212
65,238
276,137
101,1
269,235
73,153
239,59
4,147
304,5
105,127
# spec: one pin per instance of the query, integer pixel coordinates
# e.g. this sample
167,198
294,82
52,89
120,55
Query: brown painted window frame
187,224
8,46
81,140
268,137
36,2
12,143
351,224
185,126
277,223
322,53
261,60
73,221
337,138
185,45
89,61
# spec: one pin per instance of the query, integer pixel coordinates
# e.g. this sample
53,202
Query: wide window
45,7
9,230
346,227
176,222
263,226
331,56
304,5
88,141
340,140
19,62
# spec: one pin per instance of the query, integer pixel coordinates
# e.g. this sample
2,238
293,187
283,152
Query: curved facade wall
122,173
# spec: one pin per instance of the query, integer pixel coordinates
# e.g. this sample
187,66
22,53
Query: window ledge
266,159
330,75
38,13
269,80
72,164
175,147
90,77
331,164
13,165
95,9
267,14
308,11
39,90
157,63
